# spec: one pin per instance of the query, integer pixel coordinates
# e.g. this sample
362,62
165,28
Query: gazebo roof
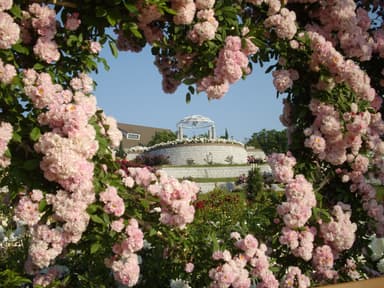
195,121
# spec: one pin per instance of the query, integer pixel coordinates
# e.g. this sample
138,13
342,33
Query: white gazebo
195,122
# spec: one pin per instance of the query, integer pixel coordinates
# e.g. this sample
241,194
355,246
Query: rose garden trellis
79,206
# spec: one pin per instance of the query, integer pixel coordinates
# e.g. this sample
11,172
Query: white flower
380,266
377,247
4,222
179,283
147,245
2,234
155,210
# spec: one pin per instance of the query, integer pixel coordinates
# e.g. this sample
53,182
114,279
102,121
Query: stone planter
202,153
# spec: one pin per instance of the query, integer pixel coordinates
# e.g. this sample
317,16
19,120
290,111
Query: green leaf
95,218
212,238
105,63
38,66
188,98
135,30
113,17
155,51
189,81
145,203
131,8
112,46
31,165
92,209
100,11
219,37
73,41
152,232
7,153
42,205
16,11
35,134
191,89
20,49
106,219
9,278
95,247
169,10
16,137
111,20
270,68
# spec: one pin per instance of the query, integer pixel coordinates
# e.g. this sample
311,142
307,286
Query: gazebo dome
196,121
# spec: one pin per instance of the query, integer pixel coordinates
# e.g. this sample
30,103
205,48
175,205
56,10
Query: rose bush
82,219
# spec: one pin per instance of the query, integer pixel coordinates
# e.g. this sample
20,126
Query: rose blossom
9,31
117,225
47,50
6,4
95,47
73,22
189,267
7,73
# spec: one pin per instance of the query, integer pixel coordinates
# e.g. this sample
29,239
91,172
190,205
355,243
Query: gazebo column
213,132
180,133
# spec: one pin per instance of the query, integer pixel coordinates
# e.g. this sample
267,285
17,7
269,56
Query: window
133,136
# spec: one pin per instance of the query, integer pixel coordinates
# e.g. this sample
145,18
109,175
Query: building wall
145,134
257,153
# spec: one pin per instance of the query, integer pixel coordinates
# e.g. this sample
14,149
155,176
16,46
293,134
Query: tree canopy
270,141
162,137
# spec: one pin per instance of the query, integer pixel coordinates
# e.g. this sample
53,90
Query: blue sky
131,92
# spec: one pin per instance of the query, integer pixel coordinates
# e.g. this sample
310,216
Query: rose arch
75,215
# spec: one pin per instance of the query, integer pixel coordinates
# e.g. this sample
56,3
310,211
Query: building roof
134,135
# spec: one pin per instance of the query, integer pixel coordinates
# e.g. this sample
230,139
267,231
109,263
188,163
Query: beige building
135,135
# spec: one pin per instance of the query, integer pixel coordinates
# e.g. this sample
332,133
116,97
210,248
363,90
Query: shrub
149,160
255,183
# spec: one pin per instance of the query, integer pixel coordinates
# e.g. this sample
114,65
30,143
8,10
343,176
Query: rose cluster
231,64
175,200
125,262
234,271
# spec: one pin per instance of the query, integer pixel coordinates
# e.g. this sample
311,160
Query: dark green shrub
255,184
155,160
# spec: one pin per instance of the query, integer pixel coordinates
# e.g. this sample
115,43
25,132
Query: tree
226,135
120,151
162,137
270,141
